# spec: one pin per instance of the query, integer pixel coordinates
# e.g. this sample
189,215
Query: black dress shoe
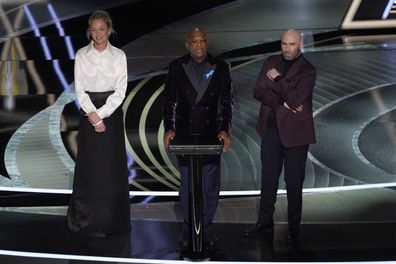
183,240
258,229
293,240
210,238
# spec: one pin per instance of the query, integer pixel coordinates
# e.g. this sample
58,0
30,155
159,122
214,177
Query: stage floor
353,225
152,239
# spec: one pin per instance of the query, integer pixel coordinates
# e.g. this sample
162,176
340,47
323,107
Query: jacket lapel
191,75
208,74
296,67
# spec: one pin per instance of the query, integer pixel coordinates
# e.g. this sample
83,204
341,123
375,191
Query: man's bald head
292,33
195,31
197,44
291,44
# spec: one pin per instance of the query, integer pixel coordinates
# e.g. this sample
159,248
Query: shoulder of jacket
309,64
223,62
179,61
216,60
273,58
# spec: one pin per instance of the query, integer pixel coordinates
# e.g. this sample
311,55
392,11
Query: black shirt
287,64
199,69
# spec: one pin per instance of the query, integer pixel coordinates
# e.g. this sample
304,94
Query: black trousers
273,157
210,187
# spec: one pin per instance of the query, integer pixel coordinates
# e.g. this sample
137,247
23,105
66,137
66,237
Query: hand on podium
225,139
169,135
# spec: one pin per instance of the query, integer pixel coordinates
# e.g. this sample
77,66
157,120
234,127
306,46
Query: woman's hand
96,122
100,127
93,118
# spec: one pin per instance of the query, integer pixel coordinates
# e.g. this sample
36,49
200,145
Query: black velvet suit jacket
295,129
192,110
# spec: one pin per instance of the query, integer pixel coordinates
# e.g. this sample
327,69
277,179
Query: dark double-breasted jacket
190,109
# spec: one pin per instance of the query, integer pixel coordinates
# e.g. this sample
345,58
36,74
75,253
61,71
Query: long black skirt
100,199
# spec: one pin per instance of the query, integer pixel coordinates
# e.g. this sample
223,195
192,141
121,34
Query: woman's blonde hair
100,14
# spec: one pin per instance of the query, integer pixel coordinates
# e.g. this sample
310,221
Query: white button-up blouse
104,71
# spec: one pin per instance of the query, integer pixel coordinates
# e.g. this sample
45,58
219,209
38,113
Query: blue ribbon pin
208,75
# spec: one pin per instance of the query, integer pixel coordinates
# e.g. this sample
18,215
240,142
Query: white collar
109,48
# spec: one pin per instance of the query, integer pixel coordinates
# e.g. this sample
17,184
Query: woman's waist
99,95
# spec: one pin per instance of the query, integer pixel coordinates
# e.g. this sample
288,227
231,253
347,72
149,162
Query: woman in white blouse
99,204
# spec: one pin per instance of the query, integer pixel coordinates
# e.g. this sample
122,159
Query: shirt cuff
278,78
102,113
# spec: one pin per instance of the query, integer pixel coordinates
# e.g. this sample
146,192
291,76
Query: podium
194,148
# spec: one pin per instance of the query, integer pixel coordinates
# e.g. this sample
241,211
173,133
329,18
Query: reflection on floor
336,226
349,198
159,240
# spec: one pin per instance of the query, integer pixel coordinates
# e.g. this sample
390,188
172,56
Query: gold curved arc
142,134
247,63
163,152
128,145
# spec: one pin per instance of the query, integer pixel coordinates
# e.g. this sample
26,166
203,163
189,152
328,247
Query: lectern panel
197,145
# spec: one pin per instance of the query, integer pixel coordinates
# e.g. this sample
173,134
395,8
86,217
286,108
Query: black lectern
194,147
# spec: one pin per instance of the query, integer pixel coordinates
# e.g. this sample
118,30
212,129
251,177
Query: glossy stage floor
350,188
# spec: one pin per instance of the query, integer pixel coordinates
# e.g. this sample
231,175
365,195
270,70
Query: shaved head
291,44
197,44
195,31
292,33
